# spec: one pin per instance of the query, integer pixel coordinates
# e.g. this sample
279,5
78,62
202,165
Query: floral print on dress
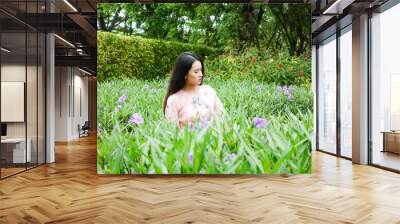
183,107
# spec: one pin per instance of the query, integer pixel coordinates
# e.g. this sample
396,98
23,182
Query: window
23,87
385,88
327,95
346,92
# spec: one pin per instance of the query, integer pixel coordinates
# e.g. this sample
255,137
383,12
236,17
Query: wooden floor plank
70,191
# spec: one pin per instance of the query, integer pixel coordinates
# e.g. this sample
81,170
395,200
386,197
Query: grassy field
267,129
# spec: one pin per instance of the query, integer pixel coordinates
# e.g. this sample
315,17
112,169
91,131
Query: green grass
232,146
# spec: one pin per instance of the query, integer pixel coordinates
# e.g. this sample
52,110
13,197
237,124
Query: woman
187,100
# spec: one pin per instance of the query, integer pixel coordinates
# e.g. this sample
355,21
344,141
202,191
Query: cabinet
391,141
13,150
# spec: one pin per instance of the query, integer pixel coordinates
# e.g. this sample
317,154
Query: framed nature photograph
204,88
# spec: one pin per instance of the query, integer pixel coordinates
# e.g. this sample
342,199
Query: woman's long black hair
182,66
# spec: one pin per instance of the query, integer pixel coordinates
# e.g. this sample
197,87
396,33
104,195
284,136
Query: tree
108,16
227,26
294,27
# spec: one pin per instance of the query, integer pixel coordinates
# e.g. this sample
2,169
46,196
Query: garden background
257,58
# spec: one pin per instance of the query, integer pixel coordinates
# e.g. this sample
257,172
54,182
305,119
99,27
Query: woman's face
195,75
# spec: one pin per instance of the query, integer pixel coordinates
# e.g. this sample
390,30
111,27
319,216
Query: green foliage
123,57
128,56
232,146
256,65
292,28
276,27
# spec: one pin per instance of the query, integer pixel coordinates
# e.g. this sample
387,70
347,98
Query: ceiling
330,15
74,21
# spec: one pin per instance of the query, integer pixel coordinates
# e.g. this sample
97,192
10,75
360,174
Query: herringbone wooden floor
70,191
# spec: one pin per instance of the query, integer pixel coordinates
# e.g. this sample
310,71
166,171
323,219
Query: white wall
70,83
79,117
62,82
14,72
34,124
13,101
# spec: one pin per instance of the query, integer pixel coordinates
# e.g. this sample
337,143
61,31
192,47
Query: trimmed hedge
129,56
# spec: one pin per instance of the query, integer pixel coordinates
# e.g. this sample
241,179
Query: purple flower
190,157
287,91
122,99
260,122
230,157
136,119
289,97
191,126
204,123
118,108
